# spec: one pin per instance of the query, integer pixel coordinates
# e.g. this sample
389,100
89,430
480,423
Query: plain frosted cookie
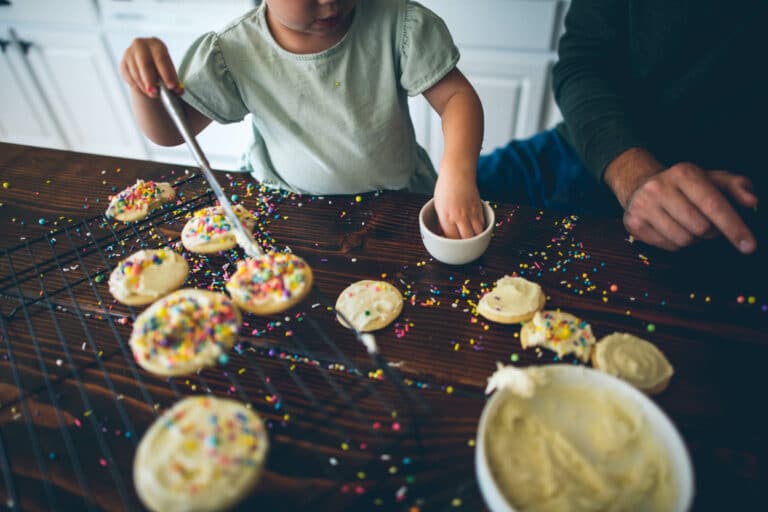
369,305
136,201
184,331
270,284
146,275
512,300
208,231
558,331
202,454
634,360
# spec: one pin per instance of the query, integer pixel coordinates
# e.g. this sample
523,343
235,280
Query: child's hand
144,62
458,206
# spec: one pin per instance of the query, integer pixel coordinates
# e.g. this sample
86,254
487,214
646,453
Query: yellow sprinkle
358,199
449,390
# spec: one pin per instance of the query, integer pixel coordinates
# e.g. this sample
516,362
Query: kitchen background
60,86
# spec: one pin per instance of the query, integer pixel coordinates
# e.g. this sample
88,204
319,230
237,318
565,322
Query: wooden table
73,404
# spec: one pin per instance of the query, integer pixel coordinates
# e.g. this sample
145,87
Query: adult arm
668,207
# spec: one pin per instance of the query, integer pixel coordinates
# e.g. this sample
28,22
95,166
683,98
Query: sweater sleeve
590,82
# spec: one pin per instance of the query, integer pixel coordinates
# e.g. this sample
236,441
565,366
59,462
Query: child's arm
144,63
457,199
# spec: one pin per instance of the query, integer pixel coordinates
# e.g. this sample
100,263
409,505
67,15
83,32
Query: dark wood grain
73,404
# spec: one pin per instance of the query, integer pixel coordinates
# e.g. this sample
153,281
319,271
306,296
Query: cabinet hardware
23,45
5,3
3,44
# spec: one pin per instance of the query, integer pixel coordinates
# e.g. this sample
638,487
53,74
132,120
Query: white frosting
512,297
632,359
561,332
204,453
520,381
369,305
146,275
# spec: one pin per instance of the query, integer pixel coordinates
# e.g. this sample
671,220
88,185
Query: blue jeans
544,172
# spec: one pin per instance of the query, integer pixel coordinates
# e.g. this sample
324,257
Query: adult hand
458,206
683,204
144,62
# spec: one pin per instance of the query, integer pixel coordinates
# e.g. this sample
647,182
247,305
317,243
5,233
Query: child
327,84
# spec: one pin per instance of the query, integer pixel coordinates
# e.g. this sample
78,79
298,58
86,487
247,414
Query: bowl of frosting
569,438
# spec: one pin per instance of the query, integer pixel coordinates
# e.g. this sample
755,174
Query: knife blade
173,106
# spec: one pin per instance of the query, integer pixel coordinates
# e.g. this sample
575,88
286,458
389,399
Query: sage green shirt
334,122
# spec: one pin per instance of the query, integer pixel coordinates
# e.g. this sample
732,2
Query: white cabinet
507,50
59,85
179,24
26,117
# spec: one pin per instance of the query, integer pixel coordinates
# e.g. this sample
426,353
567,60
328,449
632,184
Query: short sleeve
208,84
427,50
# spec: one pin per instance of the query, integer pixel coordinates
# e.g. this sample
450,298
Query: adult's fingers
643,231
685,213
714,206
737,186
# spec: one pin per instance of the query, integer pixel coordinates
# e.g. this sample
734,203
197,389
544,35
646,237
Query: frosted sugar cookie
146,275
511,301
136,201
208,231
558,331
634,360
369,305
184,331
270,284
202,454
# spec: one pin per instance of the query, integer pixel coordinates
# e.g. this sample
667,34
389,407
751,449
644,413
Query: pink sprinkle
396,426
77,423
103,462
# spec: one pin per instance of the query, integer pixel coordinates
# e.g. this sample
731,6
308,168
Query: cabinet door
512,88
73,70
25,119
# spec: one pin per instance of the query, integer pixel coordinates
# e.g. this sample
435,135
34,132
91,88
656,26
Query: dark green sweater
684,79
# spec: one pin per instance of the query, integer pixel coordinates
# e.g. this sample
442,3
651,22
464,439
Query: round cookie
558,331
369,305
202,454
208,231
146,275
135,202
184,331
270,284
634,360
512,300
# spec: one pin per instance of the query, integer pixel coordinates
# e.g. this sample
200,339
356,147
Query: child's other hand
145,62
458,206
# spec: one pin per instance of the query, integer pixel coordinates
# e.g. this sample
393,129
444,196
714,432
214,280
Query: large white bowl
662,429
449,250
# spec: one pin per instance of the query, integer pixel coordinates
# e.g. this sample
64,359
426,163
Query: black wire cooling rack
74,404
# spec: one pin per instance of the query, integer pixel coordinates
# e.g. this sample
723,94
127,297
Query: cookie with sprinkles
559,331
135,202
147,275
369,305
208,231
511,301
202,454
634,360
185,331
270,284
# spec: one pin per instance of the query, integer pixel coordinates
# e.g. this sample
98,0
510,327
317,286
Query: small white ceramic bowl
449,250
661,426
